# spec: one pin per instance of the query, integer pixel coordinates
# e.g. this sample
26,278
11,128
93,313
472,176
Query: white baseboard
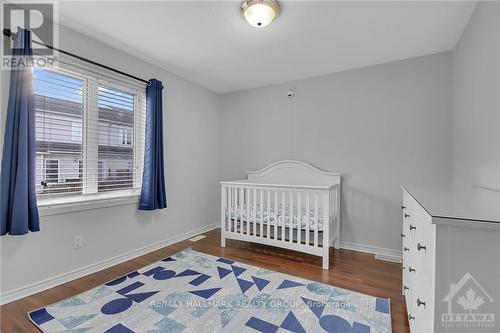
12,295
379,252
52,282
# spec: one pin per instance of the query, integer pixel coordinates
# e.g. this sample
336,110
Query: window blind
116,165
59,108
89,135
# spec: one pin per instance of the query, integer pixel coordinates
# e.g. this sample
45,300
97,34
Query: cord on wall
291,95
487,188
291,129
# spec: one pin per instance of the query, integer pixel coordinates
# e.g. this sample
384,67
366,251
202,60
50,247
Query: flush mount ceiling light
260,13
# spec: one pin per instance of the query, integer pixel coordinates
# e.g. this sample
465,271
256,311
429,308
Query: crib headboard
291,172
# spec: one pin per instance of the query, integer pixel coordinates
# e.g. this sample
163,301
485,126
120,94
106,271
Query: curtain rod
8,33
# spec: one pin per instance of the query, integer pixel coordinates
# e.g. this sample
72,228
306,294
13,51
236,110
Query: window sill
55,206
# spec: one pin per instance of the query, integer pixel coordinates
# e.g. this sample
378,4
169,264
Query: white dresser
451,264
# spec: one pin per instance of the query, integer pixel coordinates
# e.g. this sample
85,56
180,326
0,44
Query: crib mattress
240,214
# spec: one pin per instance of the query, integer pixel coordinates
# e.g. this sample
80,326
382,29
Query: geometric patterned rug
196,292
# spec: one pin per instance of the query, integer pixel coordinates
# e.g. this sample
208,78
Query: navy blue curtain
19,212
153,195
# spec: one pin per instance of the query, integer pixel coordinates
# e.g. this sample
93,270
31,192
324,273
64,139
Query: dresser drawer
423,243
419,300
410,298
406,206
424,252
404,272
409,305
422,303
410,226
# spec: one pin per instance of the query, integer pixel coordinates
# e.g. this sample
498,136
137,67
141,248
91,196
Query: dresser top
479,205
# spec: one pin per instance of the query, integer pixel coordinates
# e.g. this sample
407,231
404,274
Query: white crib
289,204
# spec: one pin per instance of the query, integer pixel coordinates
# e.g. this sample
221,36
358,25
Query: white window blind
89,135
59,108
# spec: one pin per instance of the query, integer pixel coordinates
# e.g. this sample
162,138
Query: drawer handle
410,317
420,247
402,235
419,302
406,249
412,227
410,269
407,215
403,207
406,288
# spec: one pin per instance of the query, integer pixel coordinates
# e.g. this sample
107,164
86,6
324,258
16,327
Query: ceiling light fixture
260,13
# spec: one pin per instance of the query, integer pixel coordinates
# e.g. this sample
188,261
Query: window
116,123
126,136
76,131
59,106
89,135
52,171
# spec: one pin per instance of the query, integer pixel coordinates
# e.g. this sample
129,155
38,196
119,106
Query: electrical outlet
78,241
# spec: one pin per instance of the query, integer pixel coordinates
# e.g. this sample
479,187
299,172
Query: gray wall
382,126
192,152
476,110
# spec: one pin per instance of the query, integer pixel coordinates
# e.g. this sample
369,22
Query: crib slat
229,207
316,214
254,212
290,230
283,216
238,207
223,209
308,211
326,221
275,215
242,207
268,224
235,205
261,195
299,217
247,232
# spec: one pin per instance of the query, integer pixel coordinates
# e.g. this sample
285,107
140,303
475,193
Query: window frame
90,197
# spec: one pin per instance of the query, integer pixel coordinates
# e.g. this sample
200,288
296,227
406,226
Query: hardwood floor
348,269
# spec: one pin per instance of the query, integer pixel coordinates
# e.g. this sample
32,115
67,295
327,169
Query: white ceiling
208,42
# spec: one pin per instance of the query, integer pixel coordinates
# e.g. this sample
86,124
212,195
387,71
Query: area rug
196,292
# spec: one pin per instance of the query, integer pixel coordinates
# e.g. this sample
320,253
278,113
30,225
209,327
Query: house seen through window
89,135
